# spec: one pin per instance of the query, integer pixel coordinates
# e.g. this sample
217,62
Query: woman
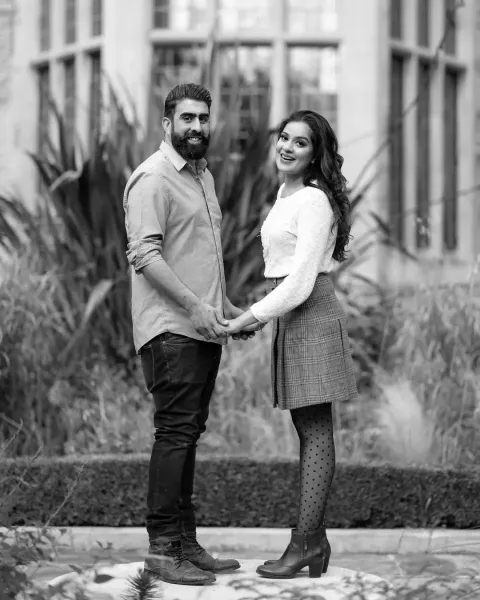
305,233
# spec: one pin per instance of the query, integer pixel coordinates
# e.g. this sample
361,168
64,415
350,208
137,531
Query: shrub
245,493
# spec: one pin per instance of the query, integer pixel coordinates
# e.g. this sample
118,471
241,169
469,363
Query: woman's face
294,151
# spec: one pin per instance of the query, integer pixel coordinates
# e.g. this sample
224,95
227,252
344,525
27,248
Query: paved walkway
410,570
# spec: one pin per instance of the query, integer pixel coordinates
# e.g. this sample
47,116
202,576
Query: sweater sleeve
314,222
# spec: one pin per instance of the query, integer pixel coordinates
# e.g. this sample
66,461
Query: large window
247,15
423,156
45,25
97,17
244,76
70,21
95,111
175,64
312,80
180,15
311,16
425,81
266,50
450,159
396,147
69,100
43,78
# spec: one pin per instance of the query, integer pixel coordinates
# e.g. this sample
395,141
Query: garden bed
111,491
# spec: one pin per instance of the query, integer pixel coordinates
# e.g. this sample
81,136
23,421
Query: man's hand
207,321
233,312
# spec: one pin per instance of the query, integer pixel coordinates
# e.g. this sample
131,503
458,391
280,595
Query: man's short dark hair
185,91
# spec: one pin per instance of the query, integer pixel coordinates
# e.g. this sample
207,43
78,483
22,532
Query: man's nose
195,124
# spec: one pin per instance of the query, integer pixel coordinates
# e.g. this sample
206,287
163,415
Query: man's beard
188,150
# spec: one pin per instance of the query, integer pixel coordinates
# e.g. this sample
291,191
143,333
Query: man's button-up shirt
172,214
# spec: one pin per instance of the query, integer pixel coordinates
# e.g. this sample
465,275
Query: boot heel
325,564
315,568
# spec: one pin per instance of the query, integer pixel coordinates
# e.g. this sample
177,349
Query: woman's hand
246,322
233,327
255,327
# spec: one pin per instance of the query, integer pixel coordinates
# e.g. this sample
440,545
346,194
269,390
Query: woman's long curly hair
325,173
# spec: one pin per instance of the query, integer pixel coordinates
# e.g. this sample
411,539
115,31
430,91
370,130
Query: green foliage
239,492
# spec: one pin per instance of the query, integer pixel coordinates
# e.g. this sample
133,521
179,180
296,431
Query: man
179,306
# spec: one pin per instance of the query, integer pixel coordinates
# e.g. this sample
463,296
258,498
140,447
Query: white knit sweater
298,244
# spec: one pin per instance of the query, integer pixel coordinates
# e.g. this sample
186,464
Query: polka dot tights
314,425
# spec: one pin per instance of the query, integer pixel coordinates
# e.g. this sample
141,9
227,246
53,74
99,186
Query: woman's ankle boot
304,550
322,533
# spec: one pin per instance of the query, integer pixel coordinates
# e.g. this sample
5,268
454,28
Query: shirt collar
178,161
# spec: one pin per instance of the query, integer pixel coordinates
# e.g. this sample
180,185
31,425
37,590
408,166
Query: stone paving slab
244,584
407,569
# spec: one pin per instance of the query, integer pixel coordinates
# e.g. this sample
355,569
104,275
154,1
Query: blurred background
81,102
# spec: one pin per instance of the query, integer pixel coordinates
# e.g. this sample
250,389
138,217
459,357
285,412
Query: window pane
396,163
45,17
423,22
95,97
244,86
180,15
175,64
312,78
450,159
246,15
97,20
70,100
310,16
70,21
450,27
43,74
172,65
396,19
423,156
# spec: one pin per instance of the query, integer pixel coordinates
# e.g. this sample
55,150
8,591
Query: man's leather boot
199,557
167,561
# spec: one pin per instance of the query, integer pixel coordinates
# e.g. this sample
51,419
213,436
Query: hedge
111,491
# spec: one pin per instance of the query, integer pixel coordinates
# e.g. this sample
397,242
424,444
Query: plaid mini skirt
311,354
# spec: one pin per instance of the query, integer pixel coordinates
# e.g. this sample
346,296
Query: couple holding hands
182,318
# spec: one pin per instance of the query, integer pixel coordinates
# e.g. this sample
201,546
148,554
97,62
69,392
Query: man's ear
167,125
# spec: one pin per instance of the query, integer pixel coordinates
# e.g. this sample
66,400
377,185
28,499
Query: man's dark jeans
180,373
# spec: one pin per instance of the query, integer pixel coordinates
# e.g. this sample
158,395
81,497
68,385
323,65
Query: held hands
236,326
211,324
208,321
242,324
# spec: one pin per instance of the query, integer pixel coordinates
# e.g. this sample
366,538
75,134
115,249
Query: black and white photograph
239,299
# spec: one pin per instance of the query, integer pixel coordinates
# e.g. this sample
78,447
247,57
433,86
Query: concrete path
410,571
243,584
404,558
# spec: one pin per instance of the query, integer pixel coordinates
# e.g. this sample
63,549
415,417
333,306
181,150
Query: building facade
397,79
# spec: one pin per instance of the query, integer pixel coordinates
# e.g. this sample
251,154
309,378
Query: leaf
97,296
77,568
64,179
102,578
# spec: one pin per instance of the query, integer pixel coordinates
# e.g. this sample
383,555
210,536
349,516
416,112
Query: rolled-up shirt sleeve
146,211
